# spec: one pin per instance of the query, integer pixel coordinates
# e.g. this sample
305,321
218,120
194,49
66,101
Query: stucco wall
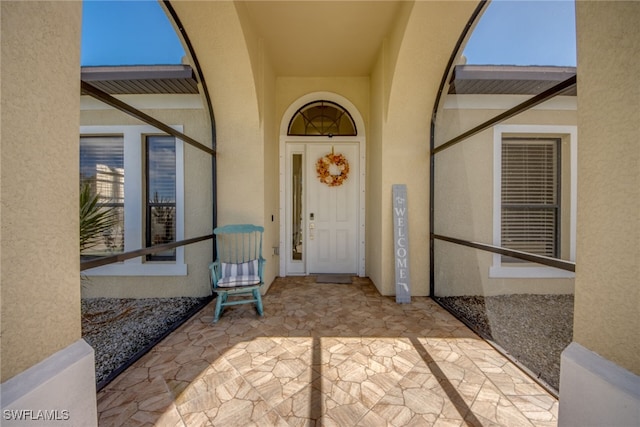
236,68
197,210
39,242
239,84
373,246
218,39
607,319
380,87
271,174
271,193
424,48
289,89
265,80
464,199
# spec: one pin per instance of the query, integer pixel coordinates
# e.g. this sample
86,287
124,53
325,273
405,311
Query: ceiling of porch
322,38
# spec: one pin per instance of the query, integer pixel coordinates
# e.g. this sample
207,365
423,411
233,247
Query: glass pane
102,171
322,118
530,230
161,191
296,203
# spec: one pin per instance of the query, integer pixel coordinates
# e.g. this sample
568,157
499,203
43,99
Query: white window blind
530,195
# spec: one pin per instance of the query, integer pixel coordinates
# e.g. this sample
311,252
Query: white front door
322,227
332,211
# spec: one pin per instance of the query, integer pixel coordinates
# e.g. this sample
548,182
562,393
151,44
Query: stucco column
599,382
41,329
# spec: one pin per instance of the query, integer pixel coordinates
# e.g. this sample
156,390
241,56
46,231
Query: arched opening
322,118
322,230
147,164
503,181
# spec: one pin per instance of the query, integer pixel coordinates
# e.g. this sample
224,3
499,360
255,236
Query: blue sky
525,33
127,33
513,32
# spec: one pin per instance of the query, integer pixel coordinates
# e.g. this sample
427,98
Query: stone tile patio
325,355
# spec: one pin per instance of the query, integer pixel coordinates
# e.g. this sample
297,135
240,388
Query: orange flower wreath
324,174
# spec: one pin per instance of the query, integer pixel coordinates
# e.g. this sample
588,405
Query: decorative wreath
323,168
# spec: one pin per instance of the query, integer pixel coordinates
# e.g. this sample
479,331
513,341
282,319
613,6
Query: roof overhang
508,79
142,79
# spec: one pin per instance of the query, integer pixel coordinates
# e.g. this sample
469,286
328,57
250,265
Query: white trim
360,139
147,102
133,189
60,390
139,268
504,102
539,272
293,267
595,391
497,269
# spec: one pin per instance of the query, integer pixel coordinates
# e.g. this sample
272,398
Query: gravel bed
533,329
119,329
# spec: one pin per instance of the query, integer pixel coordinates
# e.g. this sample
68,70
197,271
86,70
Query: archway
323,226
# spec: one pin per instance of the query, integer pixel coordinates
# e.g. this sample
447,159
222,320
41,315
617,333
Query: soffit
141,79
322,38
508,79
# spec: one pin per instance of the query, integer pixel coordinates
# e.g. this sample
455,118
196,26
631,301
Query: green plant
96,220
164,214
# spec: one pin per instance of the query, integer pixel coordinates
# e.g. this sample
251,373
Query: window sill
502,272
139,269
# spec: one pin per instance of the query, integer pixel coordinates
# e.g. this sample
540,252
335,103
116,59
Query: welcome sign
401,243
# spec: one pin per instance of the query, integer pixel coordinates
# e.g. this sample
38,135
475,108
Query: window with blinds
161,194
102,168
530,195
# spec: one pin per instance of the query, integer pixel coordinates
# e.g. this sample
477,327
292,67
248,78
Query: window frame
500,268
302,113
148,196
134,205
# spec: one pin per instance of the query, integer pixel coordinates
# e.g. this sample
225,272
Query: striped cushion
241,274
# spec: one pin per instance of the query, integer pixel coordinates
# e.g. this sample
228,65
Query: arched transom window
322,118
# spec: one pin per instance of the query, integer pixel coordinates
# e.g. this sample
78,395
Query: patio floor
325,355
